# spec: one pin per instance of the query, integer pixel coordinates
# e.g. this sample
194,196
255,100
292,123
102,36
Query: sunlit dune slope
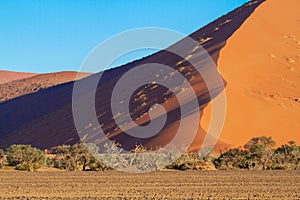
8,76
261,65
29,85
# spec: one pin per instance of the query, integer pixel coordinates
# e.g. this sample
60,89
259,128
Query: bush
188,161
25,157
232,159
96,165
141,159
259,153
287,156
2,158
63,158
76,157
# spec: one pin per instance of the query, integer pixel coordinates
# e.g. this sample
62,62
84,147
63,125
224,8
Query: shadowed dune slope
8,76
261,64
44,118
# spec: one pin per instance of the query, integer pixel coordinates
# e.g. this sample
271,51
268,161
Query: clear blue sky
57,35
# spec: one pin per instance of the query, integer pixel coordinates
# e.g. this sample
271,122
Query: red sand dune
35,83
44,118
251,68
8,76
261,65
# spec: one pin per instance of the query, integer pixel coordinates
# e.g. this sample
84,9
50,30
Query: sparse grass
285,36
272,55
292,68
290,60
292,37
203,40
188,57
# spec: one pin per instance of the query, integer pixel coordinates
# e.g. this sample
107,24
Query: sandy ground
158,185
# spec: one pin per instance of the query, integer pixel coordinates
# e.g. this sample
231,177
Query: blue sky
57,35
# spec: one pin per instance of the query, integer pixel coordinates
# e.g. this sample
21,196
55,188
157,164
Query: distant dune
8,76
256,49
35,83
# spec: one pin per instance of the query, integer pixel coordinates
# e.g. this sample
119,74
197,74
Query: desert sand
261,65
8,76
16,88
158,185
256,49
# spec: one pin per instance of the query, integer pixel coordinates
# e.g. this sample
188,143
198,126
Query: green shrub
232,159
25,157
76,157
259,153
188,161
63,158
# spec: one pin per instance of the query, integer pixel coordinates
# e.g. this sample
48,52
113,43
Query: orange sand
261,64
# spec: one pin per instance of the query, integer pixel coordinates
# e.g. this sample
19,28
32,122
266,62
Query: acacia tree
287,156
95,163
260,152
76,157
232,159
63,158
81,156
25,157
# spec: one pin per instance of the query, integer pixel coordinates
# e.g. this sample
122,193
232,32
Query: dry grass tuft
272,55
290,60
